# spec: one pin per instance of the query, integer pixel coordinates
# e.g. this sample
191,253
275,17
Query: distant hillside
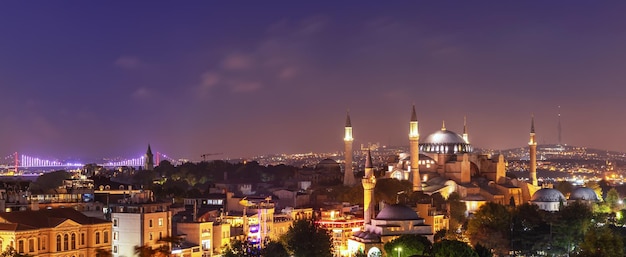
553,152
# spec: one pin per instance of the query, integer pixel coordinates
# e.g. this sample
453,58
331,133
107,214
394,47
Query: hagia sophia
444,162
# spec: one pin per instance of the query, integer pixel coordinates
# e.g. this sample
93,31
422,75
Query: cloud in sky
128,62
142,93
237,62
277,57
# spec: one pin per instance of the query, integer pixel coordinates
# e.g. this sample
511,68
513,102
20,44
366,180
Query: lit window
160,222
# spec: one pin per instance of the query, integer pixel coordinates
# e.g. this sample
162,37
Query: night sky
94,79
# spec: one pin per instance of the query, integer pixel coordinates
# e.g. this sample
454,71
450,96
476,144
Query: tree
101,252
490,227
447,248
408,245
11,252
387,189
274,249
612,200
602,242
51,180
565,187
306,239
239,248
570,225
596,187
457,215
529,230
482,251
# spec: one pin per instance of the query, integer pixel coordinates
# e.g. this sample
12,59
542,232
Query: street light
399,249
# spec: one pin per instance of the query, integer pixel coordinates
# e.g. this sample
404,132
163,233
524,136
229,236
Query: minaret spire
414,137
465,135
149,160
348,176
532,148
369,183
558,126
443,125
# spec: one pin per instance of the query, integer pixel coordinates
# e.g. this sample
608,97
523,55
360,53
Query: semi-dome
445,141
397,212
584,194
548,195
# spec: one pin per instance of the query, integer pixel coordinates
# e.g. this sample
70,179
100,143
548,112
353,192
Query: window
73,241
115,235
31,245
20,246
150,223
115,221
43,243
58,243
160,235
106,236
115,249
66,242
97,237
160,222
150,236
82,239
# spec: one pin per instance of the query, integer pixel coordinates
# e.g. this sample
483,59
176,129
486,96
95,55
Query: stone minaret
369,182
414,137
532,145
348,175
149,160
465,136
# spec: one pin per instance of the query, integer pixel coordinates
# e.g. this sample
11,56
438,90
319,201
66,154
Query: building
139,225
548,199
445,162
54,232
393,220
209,237
341,228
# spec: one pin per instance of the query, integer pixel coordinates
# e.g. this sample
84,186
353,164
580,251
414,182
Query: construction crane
209,154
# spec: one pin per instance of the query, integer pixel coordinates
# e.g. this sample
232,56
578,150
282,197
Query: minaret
369,183
414,150
348,175
465,136
532,145
149,160
558,126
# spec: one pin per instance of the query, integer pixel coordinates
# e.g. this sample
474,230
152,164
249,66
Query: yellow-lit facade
81,238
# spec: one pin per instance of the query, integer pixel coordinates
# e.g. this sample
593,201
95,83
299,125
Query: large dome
584,194
445,141
397,212
548,195
328,164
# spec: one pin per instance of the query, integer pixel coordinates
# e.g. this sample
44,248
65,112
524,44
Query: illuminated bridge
23,161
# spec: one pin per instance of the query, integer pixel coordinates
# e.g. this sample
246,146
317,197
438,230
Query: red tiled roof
25,220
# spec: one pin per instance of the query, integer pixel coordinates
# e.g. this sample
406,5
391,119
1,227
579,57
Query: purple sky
97,79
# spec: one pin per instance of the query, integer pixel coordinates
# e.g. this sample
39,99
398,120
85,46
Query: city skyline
107,79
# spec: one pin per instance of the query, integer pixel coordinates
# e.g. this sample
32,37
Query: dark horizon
91,79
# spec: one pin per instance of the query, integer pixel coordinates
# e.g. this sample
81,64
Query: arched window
73,241
106,236
66,242
58,243
97,237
